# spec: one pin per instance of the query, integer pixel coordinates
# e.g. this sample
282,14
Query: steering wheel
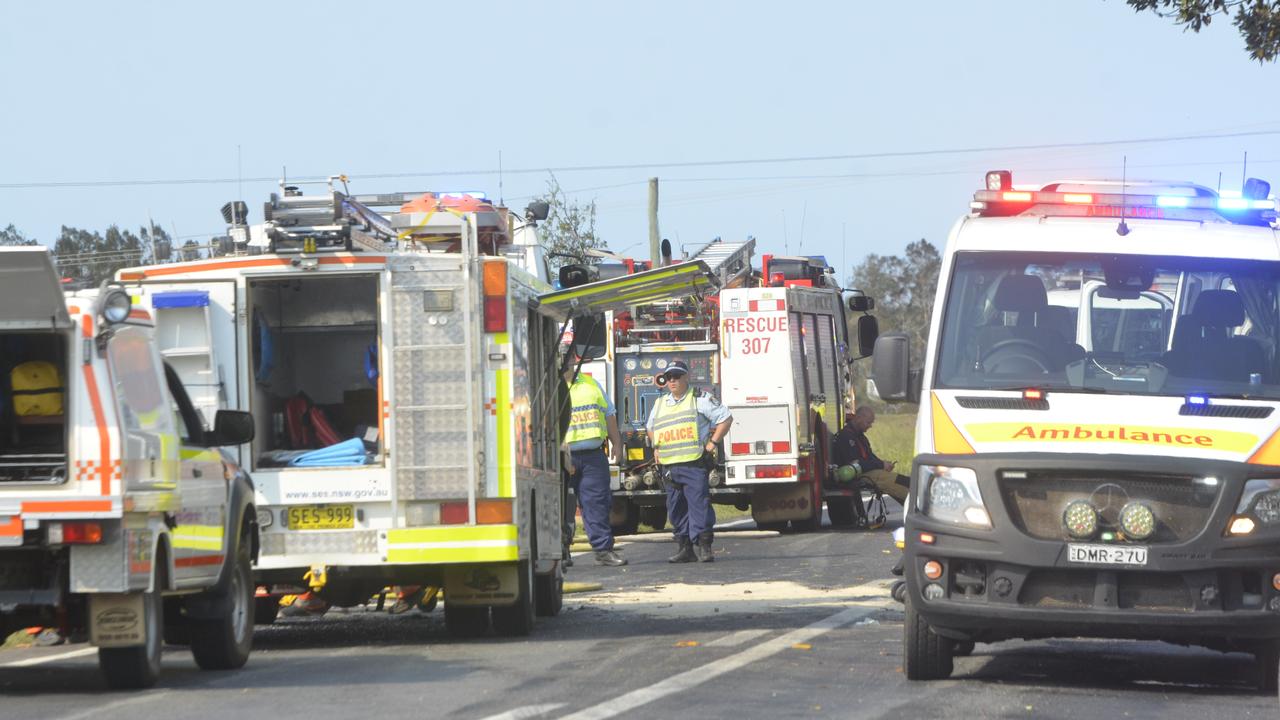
1019,348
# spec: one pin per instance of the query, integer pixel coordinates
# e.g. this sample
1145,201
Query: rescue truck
786,357
1115,474
118,514
410,386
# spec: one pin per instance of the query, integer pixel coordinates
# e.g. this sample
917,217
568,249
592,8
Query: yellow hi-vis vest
587,420
675,431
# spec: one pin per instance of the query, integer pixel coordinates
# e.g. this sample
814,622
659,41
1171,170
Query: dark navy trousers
590,483
689,501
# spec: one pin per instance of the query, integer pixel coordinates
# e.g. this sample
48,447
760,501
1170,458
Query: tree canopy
903,288
1257,20
570,227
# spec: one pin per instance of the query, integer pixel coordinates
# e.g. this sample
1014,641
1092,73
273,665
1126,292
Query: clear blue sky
169,90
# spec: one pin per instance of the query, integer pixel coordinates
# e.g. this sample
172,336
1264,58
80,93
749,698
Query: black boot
703,549
685,553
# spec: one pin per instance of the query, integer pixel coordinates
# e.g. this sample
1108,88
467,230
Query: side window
146,421
795,329
186,419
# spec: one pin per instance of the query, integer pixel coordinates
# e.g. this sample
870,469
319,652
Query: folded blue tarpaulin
344,454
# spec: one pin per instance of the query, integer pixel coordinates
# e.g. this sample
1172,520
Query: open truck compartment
314,359
33,407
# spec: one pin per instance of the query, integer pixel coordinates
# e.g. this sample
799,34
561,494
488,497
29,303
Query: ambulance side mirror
868,331
231,427
861,302
891,374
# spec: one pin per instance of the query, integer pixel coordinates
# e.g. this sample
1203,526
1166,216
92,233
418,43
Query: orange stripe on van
71,506
162,270
99,416
10,527
198,560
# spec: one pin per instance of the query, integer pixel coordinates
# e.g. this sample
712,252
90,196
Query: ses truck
1097,445
118,514
405,389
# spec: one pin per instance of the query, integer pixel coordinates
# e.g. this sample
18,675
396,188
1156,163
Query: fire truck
625,352
405,392
786,356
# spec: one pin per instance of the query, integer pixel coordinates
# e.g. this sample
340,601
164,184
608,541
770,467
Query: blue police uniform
590,478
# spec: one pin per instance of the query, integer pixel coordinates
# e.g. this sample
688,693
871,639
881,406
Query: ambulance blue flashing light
1172,201
1197,400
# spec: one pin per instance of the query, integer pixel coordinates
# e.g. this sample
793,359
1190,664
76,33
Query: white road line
697,676
98,710
51,658
528,711
742,637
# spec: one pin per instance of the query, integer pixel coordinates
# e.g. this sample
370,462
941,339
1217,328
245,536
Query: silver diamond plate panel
431,438
272,543
430,376
432,484
103,567
413,325
360,541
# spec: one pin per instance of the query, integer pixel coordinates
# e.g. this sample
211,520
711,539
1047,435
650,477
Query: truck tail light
495,296
740,448
488,512
75,533
781,446
770,471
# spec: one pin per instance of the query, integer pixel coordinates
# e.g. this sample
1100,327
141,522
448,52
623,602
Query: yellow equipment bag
37,389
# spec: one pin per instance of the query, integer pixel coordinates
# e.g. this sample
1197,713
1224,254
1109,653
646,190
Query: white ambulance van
1115,474
118,514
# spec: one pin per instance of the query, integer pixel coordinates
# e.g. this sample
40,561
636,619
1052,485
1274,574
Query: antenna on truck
1123,229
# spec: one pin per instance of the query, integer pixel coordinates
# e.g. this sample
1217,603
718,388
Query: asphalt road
779,626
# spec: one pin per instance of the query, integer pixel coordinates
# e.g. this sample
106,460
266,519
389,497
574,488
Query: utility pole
655,250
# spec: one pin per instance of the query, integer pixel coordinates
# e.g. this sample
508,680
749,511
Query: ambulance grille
1036,500
1001,403
1251,412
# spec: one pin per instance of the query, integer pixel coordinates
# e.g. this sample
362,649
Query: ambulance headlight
951,494
114,306
1261,499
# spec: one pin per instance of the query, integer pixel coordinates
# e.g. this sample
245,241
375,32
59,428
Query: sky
121,112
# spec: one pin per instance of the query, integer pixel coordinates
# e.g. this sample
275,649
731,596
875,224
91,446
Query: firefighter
684,428
592,420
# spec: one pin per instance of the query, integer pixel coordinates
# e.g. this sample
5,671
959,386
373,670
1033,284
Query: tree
1257,20
570,227
94,257
12,236
903,288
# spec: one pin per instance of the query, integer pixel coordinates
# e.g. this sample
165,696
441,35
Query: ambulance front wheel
224,643
138,667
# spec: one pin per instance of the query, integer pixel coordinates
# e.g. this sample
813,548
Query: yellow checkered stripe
457,544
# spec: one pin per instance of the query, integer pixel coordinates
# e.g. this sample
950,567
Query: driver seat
1026,296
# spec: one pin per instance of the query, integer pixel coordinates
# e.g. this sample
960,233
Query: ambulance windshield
1123,324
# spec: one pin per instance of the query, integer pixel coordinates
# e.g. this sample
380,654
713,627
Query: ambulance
118,513
785,357
1115,474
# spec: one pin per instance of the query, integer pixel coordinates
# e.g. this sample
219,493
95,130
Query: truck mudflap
117,620
482,585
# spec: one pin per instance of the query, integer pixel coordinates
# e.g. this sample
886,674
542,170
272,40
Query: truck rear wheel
265,610
517,620
465,621
136,668
1267,657
926,655
655,516
840,511
548,592
225,643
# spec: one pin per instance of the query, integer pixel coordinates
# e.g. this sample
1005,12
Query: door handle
197,472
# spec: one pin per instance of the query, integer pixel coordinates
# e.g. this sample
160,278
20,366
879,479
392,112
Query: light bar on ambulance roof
999,194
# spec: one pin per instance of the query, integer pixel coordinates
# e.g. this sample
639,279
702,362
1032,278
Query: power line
654,165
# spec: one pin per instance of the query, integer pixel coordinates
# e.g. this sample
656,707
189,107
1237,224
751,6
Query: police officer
684,428
592,419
